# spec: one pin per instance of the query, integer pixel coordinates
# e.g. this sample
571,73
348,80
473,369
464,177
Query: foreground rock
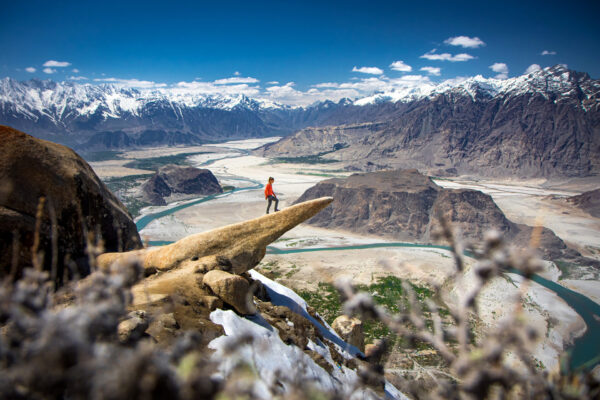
404,205
78,207
191,280
351,330
232,289
235,248
174,182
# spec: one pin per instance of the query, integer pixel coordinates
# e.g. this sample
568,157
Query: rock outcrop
174,182
404,205
588,202
351,330
51,201
234,248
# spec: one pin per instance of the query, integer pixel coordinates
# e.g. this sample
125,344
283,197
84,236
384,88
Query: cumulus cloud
134,83
532,68
30,69
465,41
548,53
400,66
237,73
432,55
59,64
49,70
368,70
432,70
236,80
501,69
273,83
75,70
77,78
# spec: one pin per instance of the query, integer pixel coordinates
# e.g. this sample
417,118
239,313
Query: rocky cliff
404,205
54,209
174,182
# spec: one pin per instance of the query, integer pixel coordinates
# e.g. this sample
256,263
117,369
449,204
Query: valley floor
528,202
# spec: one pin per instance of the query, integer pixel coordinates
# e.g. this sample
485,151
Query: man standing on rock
270,196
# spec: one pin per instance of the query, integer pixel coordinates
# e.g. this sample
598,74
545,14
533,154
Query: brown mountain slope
403,205
517,133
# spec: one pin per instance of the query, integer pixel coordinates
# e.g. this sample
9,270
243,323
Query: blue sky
300,45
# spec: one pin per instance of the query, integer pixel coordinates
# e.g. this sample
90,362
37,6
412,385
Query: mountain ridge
514,132
73,113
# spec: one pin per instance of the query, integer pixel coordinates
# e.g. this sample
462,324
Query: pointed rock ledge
234,248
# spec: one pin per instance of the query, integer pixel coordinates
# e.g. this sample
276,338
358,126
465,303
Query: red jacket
269,191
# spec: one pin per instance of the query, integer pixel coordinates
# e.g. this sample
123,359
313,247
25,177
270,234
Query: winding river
584,353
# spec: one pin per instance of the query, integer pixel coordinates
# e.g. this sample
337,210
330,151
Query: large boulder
49,183
174,182
351,330
232,289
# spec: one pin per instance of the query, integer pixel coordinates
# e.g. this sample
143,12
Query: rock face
77,207
351,330
404,205
588,201
173,182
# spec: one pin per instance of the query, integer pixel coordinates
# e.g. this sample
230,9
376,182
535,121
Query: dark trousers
272,199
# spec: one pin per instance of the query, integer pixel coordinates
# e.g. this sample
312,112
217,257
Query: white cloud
273,83
368,70
77,78
75,71
432,55
237,73
465,41
60,64
501,69
209,88
327,85
235,79
400,66
135,83
432,70
49,70
548,53
532,68
30,69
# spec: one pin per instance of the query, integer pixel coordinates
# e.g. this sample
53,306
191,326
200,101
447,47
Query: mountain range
539,124
544,124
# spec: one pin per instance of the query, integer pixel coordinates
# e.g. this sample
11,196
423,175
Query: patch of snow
269,357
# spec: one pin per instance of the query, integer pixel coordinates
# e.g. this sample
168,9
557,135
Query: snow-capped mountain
89,116
555,83
544,124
